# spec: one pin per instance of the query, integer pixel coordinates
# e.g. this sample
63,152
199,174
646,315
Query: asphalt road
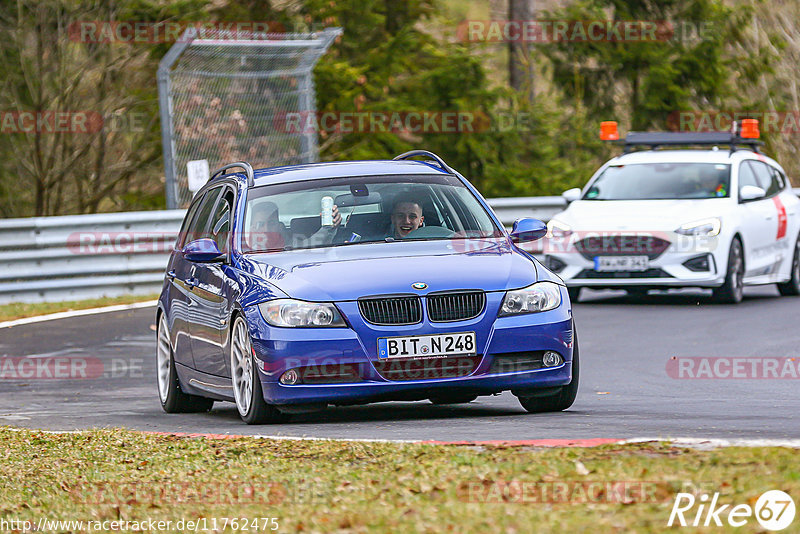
625,389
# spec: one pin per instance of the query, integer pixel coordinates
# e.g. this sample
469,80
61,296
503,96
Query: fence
222,97
49,259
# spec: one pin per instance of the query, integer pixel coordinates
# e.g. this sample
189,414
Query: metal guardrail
74,257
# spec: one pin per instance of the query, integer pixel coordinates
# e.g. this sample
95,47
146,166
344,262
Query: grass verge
324,486
18,310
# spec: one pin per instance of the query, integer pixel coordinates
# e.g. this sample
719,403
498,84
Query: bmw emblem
419,285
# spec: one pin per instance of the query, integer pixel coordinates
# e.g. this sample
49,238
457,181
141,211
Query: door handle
191,283
171,274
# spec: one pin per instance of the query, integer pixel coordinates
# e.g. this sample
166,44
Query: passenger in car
325,235
267,232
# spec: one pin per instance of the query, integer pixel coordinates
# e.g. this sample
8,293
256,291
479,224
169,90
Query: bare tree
75,128
520,67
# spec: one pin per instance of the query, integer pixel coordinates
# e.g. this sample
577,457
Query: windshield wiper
262,250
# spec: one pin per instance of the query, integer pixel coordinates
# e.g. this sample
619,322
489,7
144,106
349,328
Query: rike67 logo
774,510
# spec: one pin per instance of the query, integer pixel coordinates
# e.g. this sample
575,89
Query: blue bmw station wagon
293,288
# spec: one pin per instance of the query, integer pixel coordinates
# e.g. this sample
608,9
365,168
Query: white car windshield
293,216
650,181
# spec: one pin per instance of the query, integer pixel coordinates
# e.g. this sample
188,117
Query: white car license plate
621,263
439,345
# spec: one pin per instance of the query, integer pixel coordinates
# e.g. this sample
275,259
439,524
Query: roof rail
657,139
248,170
430,155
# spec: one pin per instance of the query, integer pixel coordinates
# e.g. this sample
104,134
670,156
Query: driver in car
708,185
406,217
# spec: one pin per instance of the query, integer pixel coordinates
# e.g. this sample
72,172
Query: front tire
173,400
792,287
246,383
732,290
559,401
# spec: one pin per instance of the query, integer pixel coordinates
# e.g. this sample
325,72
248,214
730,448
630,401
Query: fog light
551,359
698,264
290,377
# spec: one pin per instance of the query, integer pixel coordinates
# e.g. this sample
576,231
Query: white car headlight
539,297
704,227
298,313
558,229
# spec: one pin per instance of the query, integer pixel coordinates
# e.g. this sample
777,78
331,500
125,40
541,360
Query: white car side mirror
571,195
751,192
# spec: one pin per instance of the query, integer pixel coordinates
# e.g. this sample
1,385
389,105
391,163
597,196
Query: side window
766,178
221,221
197,228
190,215
747,176
779,177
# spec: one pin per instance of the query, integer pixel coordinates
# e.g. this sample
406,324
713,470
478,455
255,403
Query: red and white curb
696,443
688,442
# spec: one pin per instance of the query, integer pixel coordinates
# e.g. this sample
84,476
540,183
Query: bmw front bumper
343,366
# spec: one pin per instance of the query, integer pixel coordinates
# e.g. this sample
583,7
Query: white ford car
720,217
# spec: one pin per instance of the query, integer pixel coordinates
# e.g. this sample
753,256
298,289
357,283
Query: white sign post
198,173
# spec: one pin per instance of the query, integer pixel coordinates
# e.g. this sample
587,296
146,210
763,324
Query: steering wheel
424,232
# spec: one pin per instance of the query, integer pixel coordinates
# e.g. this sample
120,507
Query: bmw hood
352,271
639,215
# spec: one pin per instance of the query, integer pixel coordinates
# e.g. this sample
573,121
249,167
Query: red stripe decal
782,220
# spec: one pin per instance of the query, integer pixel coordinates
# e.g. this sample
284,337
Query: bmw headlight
704,227
298,313
539,297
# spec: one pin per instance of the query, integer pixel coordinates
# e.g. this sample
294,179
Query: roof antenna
733,137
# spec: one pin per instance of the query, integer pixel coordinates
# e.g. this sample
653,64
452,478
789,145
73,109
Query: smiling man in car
406,217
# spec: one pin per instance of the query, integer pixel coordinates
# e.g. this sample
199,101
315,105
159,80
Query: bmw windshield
651,181
352,210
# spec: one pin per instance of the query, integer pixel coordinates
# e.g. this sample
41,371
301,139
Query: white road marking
78,313
712,443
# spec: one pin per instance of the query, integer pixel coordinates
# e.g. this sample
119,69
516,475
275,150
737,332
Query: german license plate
433,346
621,263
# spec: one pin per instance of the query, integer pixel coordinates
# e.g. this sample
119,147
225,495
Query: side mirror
751,192
571,195
528,229
203,251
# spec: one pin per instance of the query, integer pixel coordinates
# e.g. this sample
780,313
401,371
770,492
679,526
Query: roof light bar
747,135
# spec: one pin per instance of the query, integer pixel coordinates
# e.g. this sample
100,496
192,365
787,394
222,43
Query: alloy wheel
163,355
242,367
